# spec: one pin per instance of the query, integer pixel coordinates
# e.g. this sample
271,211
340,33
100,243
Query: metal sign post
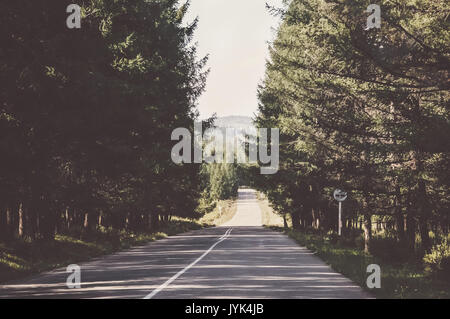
340,196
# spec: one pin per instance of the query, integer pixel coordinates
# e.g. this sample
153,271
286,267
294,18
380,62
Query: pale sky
235,34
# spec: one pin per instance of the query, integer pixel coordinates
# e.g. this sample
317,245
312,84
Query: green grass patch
222,213
405,279
269,217
22,258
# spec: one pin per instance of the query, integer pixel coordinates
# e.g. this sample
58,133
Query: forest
87,114
367,111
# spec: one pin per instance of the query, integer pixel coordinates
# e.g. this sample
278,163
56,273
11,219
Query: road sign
340,195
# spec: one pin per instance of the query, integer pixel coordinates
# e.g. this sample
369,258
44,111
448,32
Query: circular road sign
340,195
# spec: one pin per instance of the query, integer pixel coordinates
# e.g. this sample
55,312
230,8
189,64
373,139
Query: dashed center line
178,274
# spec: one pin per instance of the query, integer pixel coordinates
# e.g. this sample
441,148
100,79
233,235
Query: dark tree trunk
424,235
411,232
3,225
100,219
367,231
421,203
145,222
8,224
423,216
67,219
47,220
87,223
21,221
400,225
295,220
154,221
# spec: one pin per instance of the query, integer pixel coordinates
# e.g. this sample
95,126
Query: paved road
241,259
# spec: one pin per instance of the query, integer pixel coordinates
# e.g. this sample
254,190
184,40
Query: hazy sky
234,33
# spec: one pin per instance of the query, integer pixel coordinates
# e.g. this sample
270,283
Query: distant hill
240,124
234,121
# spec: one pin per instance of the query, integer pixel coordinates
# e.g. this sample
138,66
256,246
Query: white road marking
168,282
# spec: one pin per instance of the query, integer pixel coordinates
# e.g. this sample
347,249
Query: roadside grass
399,280
402,276
222,213
269,218
21,258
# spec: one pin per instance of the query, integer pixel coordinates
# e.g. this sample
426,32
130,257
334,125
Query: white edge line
178,274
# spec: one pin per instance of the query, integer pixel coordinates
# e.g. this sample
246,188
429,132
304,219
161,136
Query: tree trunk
367,232
100,219
424,235
20,232
421,203
411,232
87,223
47,219
67,219
145,221
400,225
3,225
295,220
423,216
154,221
9,222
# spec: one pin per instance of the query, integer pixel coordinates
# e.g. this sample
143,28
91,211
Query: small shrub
332,237
438,260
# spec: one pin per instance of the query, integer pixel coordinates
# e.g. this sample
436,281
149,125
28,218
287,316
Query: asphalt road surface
240,259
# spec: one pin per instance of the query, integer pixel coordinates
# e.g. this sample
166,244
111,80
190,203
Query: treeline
86,116
220,181
365,110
